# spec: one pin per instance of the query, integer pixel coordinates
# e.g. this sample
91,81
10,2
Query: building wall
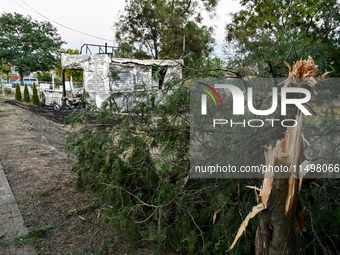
129,72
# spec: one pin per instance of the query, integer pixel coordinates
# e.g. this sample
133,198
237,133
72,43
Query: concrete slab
11,221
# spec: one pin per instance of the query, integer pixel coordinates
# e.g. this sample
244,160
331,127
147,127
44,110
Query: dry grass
32,152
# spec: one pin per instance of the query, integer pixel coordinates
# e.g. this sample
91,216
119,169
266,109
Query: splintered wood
256,209
287,152
303,74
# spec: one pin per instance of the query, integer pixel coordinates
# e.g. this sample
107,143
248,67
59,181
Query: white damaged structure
103,74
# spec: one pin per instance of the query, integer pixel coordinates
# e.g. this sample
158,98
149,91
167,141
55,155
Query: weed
81,210
107,246
50,163
46,154
5,167
57,175
31,222
46,202
44,193
31,236
5,245
32,148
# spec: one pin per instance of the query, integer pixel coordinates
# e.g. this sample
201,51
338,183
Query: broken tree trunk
277,230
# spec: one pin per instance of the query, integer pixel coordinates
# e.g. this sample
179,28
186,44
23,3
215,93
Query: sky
96,18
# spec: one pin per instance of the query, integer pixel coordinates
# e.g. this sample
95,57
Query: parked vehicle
28,81
9,86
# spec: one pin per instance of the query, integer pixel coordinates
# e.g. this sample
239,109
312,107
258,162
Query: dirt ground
33,156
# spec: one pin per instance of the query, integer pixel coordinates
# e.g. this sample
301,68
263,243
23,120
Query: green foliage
320,203
32,236
26,94
35,98
28,44
155,29
138,163
5,70
43,76
77,75
8,91
266,33
18,95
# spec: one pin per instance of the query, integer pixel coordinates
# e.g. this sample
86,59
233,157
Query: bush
35,98
17,93
8,91
139,165
26,94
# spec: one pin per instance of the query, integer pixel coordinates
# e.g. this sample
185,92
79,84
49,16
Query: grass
46,202
5,113
32,148
31,222
33,235
44,193
82,210
107,246
57,175
5,245
46,154
16,202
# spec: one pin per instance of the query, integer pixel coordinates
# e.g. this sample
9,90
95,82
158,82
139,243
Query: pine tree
17,93
35,97
26,94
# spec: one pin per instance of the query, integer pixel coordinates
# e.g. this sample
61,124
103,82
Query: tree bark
277,232
21,78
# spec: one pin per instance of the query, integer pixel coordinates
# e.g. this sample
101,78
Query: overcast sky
95,17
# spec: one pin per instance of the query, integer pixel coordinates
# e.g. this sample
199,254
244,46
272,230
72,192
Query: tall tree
17,93
266,33
156,29
28,44
5,71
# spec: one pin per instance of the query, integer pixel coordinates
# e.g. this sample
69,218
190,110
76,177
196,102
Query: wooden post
64,90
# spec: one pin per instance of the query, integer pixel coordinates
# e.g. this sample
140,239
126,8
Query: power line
100,38
3,9
14,2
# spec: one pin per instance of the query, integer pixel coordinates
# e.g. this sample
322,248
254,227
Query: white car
28,81
9,86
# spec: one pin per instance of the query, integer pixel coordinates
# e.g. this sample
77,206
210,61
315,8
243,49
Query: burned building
103,74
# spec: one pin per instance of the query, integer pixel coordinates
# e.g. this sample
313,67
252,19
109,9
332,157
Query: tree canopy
270,32
28,44
5,70
155,29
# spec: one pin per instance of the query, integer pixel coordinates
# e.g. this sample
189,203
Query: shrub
8,91
35,98
26,94
139,163
17,93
